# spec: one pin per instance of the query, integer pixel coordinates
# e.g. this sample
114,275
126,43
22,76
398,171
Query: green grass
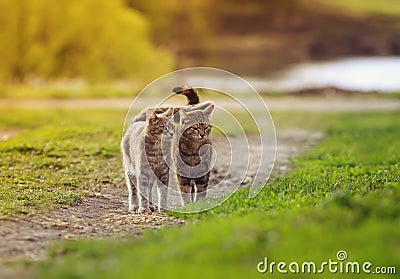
57,157
342,195
69,90
385,7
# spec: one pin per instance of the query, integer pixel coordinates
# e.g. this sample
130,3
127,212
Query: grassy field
69,90
385,7
57,157
343,195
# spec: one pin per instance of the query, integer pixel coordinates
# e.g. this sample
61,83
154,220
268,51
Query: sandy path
358,103
6,134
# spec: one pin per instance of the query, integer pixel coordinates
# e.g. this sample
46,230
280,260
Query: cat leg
162,189
129,185
201,186
132,192
185,186
143,187
192,191
152,207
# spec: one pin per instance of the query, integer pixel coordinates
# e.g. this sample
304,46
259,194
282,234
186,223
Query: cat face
196,124
159,125
198,131
168,129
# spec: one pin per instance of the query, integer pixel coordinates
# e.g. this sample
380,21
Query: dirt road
359,103
104,213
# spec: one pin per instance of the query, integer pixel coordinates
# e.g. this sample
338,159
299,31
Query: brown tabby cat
192,153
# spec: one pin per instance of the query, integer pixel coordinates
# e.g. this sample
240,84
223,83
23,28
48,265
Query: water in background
359,74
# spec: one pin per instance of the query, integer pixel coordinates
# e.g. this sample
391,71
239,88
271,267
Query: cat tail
190,93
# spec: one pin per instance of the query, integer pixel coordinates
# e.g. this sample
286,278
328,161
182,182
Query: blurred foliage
94,39
179,24
140,40
256,37
383,7
195,22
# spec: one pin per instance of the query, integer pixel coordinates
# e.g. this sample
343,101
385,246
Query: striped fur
144,162
192,153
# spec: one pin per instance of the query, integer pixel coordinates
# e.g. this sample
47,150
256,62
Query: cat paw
143,210
133,208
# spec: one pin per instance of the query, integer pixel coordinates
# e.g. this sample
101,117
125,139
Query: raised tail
190,93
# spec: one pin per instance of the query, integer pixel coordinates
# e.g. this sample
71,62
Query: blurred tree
196,30
94,39
197,20
180,25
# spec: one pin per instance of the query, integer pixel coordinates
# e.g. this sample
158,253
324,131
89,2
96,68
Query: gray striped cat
144,161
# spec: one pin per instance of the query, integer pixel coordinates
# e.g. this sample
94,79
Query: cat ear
150,114
209,109
183,115
169,112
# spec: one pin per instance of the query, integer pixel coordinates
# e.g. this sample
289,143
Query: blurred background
102,48
327,69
